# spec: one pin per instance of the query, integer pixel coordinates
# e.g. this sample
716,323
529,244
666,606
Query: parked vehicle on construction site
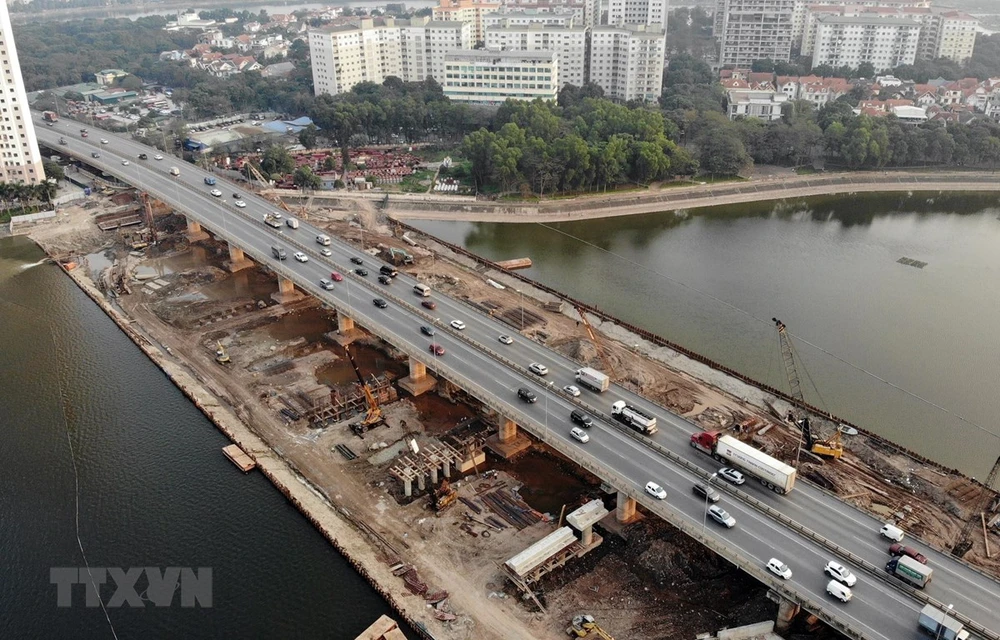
633,417
940,625
593,379
910,571
772,473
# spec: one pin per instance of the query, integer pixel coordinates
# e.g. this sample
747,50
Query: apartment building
586,12
623,12
948,34
524,17
851,41
491,77
568,43
749,30
466,11
627,61
814,13
21,160
425,42
802,7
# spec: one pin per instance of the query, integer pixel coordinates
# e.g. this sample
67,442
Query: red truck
772,473
50,116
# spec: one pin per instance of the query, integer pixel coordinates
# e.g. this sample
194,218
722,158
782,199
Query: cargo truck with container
593,379
910,571
772,473
272,221
50,116
940,625
635,418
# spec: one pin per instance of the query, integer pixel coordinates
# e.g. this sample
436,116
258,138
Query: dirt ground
283,350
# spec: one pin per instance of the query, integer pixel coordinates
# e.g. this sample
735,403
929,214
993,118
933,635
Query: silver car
722,516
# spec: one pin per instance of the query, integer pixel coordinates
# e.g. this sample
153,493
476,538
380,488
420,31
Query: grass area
417,182
719,179
806,171
437,154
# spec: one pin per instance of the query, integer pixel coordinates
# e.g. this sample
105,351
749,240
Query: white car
104,140
572,390
240,204
579,434
458,324
125,163
732,475
326,284
840,573
656,491
326,252
779,568
506,339
216,193
722,516
157,157
538,369
301,257
839,591
277,215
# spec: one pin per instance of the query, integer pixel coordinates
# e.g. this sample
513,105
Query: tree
307,137
277,161
722,154
53,170
865,70
305,178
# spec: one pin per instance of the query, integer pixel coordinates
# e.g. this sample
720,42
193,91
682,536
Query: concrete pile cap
587,515
536,554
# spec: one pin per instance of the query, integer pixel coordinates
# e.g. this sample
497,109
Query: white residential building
524,17
21,161
627,61
491,77
343,56
425,42
762,104
466,11
568,43
948,34
851,41
802,7
749,30
814,13
622,12
586,12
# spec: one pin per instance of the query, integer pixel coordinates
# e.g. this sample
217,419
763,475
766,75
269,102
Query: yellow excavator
373,414
220,353
586,627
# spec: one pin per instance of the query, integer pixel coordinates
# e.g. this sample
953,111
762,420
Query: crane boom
965,536
605,360
374,414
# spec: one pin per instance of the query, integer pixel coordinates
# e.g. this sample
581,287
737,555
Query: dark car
94,154
428,304
900,550
388,271
380,303
361,272
437,349
143,156
357,261
427,331
527,395
236,196
385,279
707,492
581,418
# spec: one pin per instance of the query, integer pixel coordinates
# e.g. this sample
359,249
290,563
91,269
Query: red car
336,277
437,349
900,550
429,304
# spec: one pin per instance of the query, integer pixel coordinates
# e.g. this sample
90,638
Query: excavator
220,353
443,497
586,627
373,415
828,447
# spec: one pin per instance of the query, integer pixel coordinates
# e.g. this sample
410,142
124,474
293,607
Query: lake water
711,280
84,414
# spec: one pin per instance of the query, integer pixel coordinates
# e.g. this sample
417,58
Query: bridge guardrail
600,471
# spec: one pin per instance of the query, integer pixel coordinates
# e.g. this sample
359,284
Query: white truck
593,379
940,625
272,221
773,474
633,417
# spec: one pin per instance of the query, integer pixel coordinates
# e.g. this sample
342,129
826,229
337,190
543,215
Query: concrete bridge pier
508,431
286,291
446,471
237,260
420,482
346,331
625,508
434,476
407,487
787,610
508,441
194,231
418,381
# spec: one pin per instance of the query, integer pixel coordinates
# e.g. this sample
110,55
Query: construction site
481,545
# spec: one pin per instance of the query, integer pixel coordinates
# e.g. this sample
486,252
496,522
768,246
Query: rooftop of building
541,28
873,20
493,54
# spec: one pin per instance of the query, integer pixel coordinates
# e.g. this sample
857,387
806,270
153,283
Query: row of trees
17,198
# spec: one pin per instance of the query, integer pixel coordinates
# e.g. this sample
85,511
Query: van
292,223
279,253
422,290
323,239
892,532
174,171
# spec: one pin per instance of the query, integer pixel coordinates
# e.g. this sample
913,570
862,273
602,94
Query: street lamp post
708,487
941,626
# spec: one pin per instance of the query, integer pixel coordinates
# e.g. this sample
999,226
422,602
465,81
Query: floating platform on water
516,263
385,628
239,457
